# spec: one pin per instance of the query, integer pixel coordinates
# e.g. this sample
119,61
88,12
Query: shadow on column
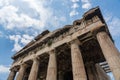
42,72
27,72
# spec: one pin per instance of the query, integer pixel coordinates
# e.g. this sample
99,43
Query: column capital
51,52
75,41
14,69
105,34
35,58
101,33
24,65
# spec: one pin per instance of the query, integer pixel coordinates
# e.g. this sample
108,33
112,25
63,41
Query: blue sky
22,20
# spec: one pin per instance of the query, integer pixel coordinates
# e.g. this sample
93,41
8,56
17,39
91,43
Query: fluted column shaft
34,70
91,71
12,75
77,62
21,72
52,67
110,52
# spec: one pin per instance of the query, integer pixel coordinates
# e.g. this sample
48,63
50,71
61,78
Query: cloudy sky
22,20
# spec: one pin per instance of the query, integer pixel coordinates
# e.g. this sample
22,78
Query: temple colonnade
109,50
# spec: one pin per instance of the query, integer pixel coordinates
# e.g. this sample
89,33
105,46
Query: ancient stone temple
84,50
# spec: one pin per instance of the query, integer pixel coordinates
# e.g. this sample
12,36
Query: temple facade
84,50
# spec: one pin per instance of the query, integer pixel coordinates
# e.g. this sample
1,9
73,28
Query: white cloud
56,20
20,41
44,12
4,2
73,13
86,4
28,17
16,39
4,69
26,14
75,0
17,47
75,5
26,39
85,1
114,26
1,34
108,16
13,19
113,23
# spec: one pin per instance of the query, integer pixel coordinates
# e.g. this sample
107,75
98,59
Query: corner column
12,75
110,52
52,67
34,69
21,71
77,62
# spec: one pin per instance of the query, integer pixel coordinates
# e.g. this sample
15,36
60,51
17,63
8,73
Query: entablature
69,32
62,40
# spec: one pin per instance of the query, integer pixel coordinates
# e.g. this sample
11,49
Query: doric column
110,52
77,62
34,70
12,75
21,71
52,67
91,71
